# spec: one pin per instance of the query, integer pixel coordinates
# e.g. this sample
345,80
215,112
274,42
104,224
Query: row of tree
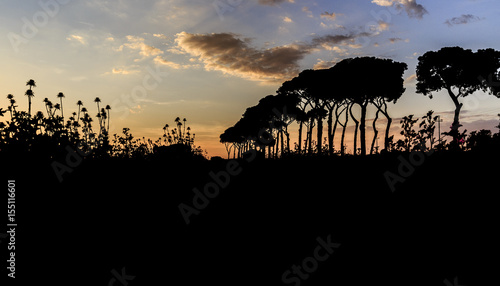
333,94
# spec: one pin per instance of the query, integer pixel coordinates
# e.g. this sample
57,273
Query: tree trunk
287,140
276,144
334,129
300,136
311,128
320,134
362,128
344,127
387,130
375,132
355,129
282,143
330,130
456,118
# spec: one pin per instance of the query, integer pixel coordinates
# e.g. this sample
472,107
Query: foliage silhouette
460,72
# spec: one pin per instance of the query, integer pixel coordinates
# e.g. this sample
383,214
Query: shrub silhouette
47,135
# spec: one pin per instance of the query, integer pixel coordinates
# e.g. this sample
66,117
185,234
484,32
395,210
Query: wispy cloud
463,19
138,44
395,40
411,79
77,38
330,16
122,71
306,10
162,61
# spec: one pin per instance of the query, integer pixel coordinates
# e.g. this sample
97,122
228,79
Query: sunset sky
208,61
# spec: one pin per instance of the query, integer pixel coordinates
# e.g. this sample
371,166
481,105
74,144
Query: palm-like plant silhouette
60,95
97,100
108,108
79,104
10,97
29,93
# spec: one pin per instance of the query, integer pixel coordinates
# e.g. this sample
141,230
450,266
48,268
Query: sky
207,61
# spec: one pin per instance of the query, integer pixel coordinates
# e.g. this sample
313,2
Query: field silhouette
102,209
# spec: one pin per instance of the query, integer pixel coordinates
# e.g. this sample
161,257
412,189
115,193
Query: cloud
162,61
231,55
383,26
77,38
327,15
307,11
464,19
411,78
137,43
161,36
287,20
332,40
274,2
321,64
411,7
394,40
121,71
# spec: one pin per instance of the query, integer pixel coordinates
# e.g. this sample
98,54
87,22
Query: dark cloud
273,2
412,8
464,19
235,56
227,53
331,40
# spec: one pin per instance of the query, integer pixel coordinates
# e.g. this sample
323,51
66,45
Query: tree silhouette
383,83
309,85
460,72
290,88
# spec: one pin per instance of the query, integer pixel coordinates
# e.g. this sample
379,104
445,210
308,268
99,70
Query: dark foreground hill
337,220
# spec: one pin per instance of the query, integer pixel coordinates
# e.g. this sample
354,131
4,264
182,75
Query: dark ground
441,223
